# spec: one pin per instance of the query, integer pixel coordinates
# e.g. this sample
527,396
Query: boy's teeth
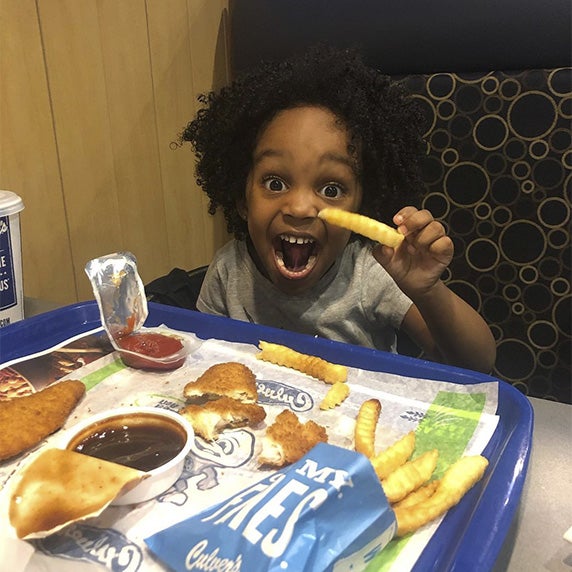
296,239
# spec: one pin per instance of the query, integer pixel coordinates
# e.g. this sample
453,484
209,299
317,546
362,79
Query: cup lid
10,203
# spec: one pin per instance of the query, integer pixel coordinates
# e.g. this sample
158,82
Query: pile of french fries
415,496
416,499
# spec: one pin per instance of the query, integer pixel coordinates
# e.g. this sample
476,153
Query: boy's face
301,164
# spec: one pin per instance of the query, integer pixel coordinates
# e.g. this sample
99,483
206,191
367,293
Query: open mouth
296,256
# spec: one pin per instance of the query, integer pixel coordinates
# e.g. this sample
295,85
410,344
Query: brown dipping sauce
140,441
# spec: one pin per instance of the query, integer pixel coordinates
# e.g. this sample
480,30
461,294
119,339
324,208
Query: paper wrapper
457,419
327,508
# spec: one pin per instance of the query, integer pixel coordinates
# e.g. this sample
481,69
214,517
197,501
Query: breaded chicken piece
230,379
212,417
287,440
25,421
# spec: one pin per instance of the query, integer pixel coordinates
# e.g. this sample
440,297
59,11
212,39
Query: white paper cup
11,289
119,420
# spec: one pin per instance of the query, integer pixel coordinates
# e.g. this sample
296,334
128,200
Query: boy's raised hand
418,262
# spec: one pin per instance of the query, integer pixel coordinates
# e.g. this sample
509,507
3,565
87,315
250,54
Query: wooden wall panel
131,105
28,154
191,231
76,74
208,26
120,81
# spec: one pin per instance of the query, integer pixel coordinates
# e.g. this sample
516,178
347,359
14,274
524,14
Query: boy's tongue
296,255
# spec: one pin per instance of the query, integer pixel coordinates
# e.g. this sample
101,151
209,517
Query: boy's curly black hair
383,122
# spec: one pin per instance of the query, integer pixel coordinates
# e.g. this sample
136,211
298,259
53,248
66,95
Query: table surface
535,540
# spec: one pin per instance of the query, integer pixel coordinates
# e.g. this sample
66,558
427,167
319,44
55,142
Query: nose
301,202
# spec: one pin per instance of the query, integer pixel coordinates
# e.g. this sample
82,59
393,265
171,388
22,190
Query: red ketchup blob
158,347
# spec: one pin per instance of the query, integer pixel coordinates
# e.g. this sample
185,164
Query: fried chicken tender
287,440
410,476
229,379
212,417
311,365
366,422
25,421
394,456
362,225
460,477
336,394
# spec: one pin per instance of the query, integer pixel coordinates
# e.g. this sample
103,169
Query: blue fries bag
326,512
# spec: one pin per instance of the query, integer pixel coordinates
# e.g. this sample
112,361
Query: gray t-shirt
356,301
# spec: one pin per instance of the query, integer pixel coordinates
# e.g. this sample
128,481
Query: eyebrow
326,157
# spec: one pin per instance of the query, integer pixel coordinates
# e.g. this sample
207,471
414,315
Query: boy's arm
445,326
450,331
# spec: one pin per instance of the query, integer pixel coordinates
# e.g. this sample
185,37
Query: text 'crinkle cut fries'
336,394
361,224
311,365
460,477
366,422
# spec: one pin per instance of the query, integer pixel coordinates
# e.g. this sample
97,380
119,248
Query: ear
242,209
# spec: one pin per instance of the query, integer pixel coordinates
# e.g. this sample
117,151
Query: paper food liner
455,418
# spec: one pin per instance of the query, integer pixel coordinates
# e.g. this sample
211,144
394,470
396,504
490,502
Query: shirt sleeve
212,297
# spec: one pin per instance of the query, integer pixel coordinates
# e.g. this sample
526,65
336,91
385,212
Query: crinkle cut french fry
366,423
362,225
462,475
417,496
410,476
311,365
457,480
394,456
336,394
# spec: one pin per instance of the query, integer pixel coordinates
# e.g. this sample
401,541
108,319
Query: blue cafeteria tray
471,534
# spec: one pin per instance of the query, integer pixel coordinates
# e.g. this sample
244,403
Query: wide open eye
332,191
274,184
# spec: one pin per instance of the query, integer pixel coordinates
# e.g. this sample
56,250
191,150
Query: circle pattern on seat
499,176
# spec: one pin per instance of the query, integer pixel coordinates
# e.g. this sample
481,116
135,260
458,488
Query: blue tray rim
471,534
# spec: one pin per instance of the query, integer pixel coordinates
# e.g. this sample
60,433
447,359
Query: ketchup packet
120,295
119,292
326,512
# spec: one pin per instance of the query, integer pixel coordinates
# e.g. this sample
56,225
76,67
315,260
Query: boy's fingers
429,234
382,253
402,215
412,220
442,249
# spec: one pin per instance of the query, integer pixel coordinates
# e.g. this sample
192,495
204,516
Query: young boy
325,130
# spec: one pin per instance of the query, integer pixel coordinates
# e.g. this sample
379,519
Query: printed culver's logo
276,393
90,544
7,290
